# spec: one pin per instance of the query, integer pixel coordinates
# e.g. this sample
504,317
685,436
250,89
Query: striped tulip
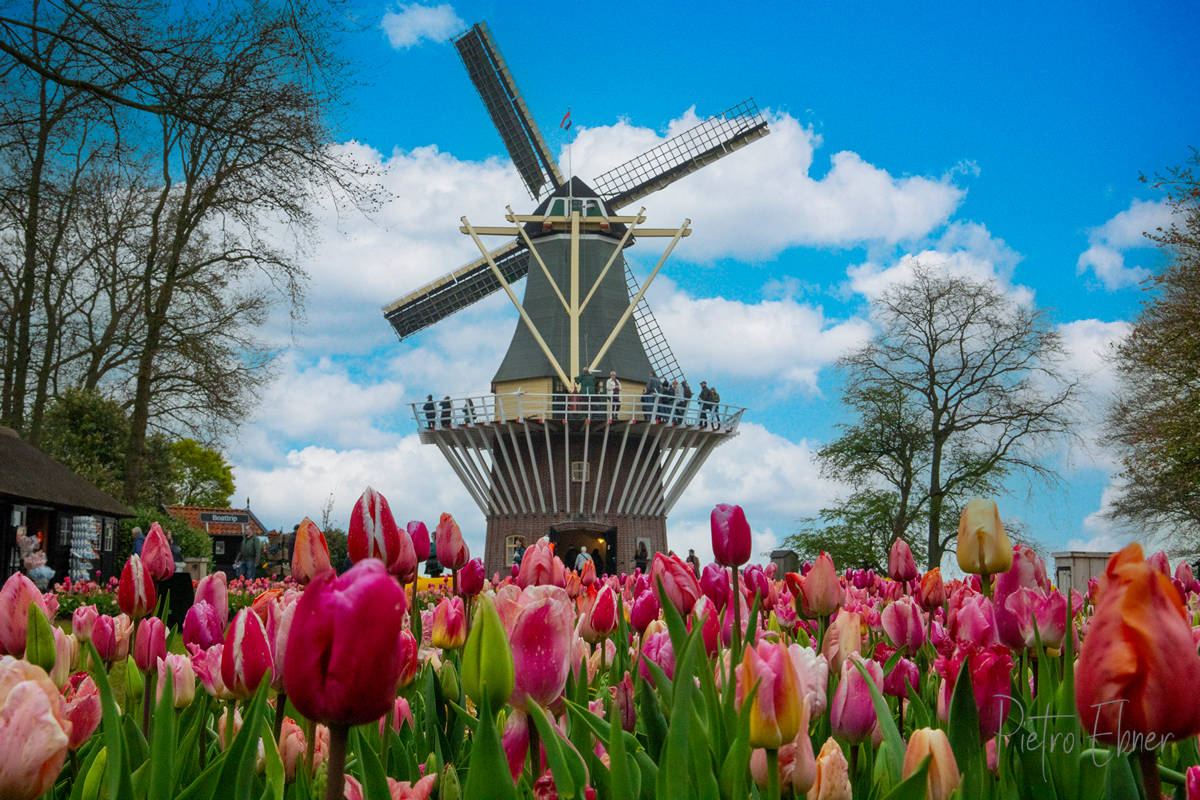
247,655
776,708
420,539
310,552
449,624
135,592
452,551
202,626
213,590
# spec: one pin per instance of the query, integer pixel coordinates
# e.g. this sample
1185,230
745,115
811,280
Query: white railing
453,412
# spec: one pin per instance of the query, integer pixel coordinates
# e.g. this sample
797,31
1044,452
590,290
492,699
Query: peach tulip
932,593
821,589
310,552
35,730
452,551
797,765
832,781
843,637
943,776
449,624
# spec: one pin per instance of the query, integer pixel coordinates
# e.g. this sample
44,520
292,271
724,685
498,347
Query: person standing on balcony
447,411
430,410
705,403
687,398
613,390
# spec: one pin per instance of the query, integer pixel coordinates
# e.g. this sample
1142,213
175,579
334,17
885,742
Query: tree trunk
935,502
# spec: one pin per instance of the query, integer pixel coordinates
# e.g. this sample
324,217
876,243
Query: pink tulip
903,675
82,621
34,730
406,790
310,552
822,591
279,625
645,610
714,582
1192,781
202,626
15,598
902,566
420,539
135,593
1183,574
104,637
678,581
515,742
904,624
842,638
449,624
1048,611
731,538
156,554
540,567
343,654
658,649
623,703
471,578
975,621
401,713
246,658
82,708
541,638
151,643
452,551
1160,562
213,590
852,712
812,670
183,679
777,706
409,665
1028,571
797,765
207,666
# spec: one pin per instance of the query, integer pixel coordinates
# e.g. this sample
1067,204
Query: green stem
280,702
773,791
335,783
310,746
535,753
203,736
147,693
985,581
737,619
1151,784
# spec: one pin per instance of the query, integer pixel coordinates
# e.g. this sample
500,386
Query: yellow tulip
983,547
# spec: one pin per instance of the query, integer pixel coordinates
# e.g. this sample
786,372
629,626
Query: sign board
236,519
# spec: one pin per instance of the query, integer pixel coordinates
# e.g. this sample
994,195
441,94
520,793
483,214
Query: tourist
139,539
687,398
582,559
176,552
694,561
248,556
705,403
716,407
446,411
642,557
468,412
430,410
613,389
518,550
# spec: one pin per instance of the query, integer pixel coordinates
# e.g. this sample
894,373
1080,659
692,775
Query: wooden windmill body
549,451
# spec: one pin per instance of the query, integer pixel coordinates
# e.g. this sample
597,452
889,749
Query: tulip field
543,682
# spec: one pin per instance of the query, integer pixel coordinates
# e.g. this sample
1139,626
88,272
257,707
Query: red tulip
373,532
246,658
901,564
990,669
852,712
731,538
409,665
135,592
18,594
156,554
310,552
344,651
822,591
776,711
933,591
452,551
1137,656
420,539
151,643
714,582
603,617
471,578
34,730
678,581
449,624
902,676
540,567
213,590
541,645
201,626
82,708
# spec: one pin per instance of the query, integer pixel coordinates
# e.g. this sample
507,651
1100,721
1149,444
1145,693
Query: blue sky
1004,144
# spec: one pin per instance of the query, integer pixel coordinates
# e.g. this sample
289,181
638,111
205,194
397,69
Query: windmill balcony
486,410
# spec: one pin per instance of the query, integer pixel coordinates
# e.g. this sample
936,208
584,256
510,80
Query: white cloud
410,23
1107,244
762,199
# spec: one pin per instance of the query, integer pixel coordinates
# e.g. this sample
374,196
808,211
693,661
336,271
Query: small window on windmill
557,207
579,471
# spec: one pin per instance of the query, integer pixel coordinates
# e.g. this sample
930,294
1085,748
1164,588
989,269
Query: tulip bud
420,539
150,644
932,593
156,554
66,656
310,552
603,616
449,624
104,638
943,776
183,679
487,659
731,537
842,638
135,592
448,785
39,638
448,677
452,551
247,655
471,578
82,621
983,547
821,590
901,564
714,582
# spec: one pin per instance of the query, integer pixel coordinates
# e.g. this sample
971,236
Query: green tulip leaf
963,734
488,762
913,787
164,744
39,638
894,753
370,769
119,785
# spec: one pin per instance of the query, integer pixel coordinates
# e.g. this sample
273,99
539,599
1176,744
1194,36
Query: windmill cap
576,188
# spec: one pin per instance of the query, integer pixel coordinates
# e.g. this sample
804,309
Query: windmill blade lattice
682,155
662,359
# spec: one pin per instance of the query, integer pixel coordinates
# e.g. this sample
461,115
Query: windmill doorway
598,541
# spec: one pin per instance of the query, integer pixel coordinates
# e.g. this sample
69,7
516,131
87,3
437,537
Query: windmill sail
681,155
662,359
504,103
464,286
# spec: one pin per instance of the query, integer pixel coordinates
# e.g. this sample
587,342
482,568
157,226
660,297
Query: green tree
963,386
857,532
201,476
88,433
1156,415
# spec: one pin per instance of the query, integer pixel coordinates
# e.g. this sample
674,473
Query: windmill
549,451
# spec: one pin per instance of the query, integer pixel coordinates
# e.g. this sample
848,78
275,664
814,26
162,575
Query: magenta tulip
202,626
452,551
420,539
246,658
714,582
104,637
678,581
135,592
852,712
471,578
902,676
207,666
344,650
659,650
901,564
213,590
156,554
1028,571
990,669
1048,611
541,638
645,610
731,539
150,644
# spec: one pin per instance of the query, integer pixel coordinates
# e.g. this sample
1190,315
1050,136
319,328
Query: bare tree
981,374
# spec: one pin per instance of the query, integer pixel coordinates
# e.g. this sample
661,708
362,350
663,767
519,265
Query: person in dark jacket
687,398
430,410
447,410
